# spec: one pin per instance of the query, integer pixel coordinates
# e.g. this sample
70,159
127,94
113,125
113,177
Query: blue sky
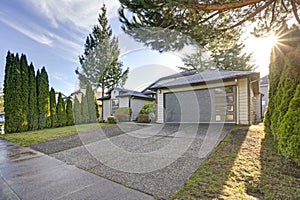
52,34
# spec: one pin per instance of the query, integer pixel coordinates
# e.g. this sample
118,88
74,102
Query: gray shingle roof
202,77
135,94
264,80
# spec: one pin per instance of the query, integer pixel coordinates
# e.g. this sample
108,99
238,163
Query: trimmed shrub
143,118
123,114
111,120
122,117
150,110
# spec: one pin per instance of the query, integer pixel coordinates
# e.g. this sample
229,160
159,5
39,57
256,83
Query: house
120,97
2,118
209,96
264,88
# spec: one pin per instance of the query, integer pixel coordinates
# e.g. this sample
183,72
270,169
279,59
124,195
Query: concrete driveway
155,159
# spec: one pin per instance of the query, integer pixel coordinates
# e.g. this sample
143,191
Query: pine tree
32,100
105,71
61,111
69,113
96,108
53,117
43,98
77,111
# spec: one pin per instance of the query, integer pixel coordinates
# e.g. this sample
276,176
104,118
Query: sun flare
271,40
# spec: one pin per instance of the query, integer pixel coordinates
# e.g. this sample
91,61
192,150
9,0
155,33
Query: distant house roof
202,77
76,92
124,93
264,80
135,94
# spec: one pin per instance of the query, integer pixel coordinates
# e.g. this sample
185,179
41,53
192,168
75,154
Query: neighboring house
263,88
2,118
120,97
209,96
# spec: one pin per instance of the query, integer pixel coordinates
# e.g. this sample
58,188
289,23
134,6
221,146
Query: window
114,105
224,104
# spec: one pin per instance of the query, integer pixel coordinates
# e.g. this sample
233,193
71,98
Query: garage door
188,106
207,105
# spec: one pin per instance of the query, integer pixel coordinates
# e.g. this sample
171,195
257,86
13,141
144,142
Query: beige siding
136,106
242,111
123,102
106,109
160,108
197,87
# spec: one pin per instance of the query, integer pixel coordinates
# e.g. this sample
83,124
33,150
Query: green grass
244,166
38,136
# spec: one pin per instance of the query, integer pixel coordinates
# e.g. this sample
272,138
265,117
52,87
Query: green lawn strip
38,136
244,166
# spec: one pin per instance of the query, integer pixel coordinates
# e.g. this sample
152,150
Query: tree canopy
169,25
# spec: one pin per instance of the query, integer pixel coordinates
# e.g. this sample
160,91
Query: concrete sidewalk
28,174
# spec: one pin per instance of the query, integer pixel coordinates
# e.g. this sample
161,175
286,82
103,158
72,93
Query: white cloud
39,37
80,13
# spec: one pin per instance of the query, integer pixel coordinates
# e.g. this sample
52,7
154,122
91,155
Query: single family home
209,96
119,97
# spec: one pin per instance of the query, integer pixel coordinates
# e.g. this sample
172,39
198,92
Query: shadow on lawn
210,180
280,177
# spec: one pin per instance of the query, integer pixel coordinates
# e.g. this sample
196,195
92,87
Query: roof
202,77
126,93
264,80
135,94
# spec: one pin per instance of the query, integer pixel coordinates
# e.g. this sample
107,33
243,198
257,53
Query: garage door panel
189,106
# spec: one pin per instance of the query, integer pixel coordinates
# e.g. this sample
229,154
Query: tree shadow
280,177
211,178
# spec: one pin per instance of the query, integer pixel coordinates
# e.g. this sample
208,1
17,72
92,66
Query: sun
270,41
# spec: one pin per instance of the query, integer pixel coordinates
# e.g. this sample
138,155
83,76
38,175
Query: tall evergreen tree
43,98
77,111
91,103
25,86
69,113
53,117
18,116
84,109
99,63
61,111
32,116
8,93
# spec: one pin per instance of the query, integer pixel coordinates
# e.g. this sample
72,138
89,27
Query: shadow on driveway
155,159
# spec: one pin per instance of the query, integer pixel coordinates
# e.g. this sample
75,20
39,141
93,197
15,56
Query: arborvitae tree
77,111
84,110
91,103
53,117
25,86
8,93
100,66
43,98
289,138
61,111
69,113
32,116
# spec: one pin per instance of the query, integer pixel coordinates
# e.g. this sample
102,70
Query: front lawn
245,165
38,136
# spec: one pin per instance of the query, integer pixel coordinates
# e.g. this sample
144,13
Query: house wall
160,95
243,101
264,90
160,107
136,106
123,102
106,109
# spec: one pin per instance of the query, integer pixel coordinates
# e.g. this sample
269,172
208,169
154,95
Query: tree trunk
102,95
